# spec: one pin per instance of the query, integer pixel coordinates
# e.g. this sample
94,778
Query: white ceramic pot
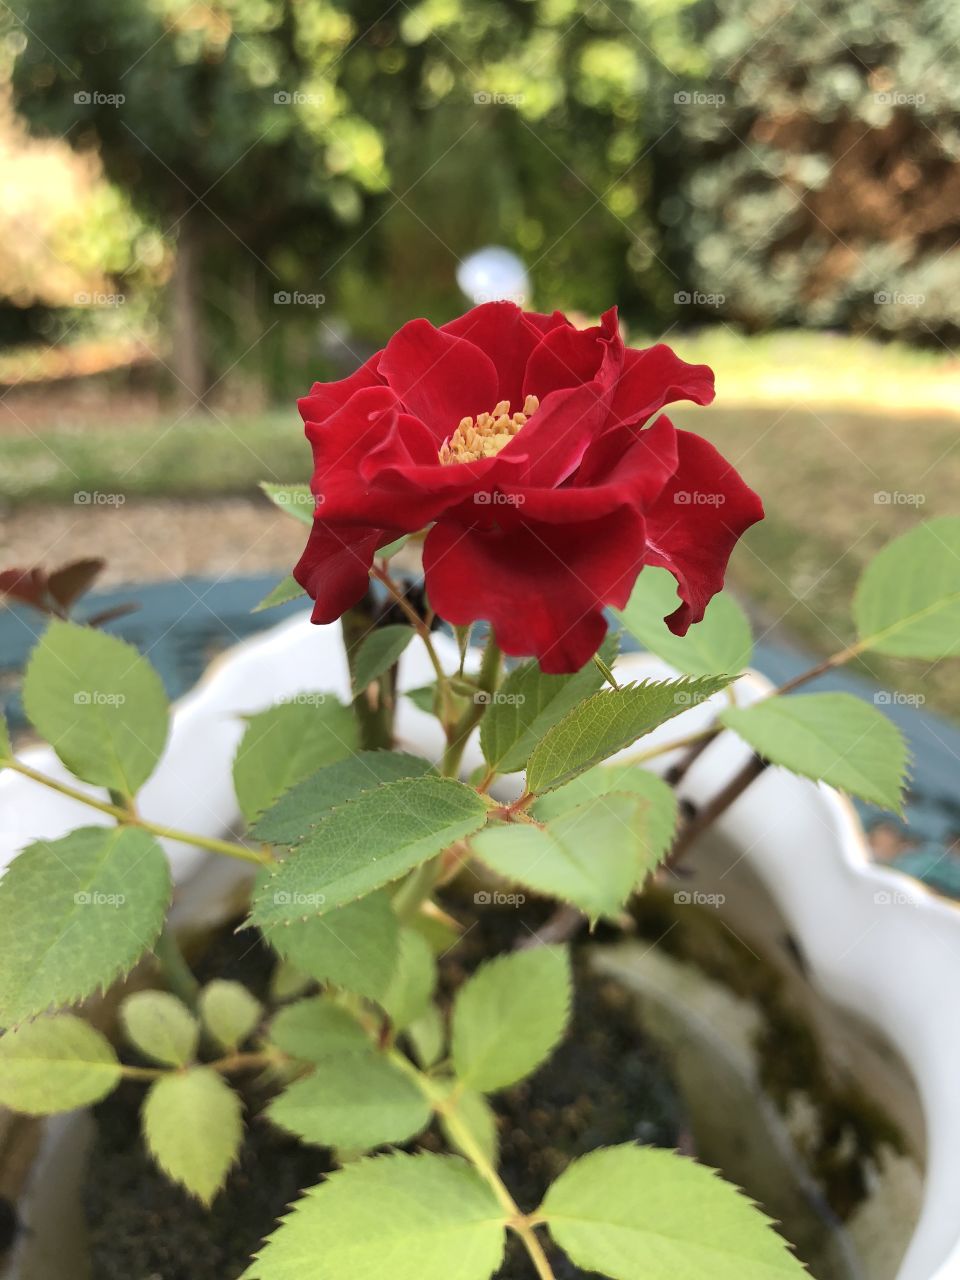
875,941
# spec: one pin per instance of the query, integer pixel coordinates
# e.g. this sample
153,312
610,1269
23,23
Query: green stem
441,1100
127,818
374,721
487,681
176,972
227,847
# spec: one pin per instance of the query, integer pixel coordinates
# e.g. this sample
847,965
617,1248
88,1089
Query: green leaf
6,749
229,1012
286,743
721,642
193,1128
76,914
355,1101
354,947
55,1064
391,549
639,1213
907,604
304,805
473,1112
287,982
161,1027
287,589
316,1029
592,856
411,988
427,1036
424,698
377,654
366,843
510,1016
829,737
660,814
528,703
99,704
610,721
293,499
432,1216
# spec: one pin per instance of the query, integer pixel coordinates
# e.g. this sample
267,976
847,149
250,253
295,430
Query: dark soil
604,1085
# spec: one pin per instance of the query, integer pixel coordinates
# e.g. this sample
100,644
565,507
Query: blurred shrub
824,189
297,147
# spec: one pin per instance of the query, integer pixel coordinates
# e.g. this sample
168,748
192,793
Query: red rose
522,441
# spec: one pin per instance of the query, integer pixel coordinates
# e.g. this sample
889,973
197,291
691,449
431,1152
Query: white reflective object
494,274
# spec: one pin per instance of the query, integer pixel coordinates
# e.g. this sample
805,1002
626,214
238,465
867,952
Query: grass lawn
191,457
849,443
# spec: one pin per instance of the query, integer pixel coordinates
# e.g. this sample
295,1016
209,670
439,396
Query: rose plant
526,448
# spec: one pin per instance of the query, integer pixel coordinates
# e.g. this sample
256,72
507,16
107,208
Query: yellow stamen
488,435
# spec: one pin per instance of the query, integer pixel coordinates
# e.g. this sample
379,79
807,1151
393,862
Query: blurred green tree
358,151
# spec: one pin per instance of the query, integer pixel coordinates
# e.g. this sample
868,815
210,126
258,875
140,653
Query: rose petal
641,458
335,567
569,419
656,377
327,397
695,523
439,378
541,586
501,331
408,443
568,357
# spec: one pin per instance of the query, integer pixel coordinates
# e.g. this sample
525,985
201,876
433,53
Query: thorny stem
126,818
717,806
419,625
